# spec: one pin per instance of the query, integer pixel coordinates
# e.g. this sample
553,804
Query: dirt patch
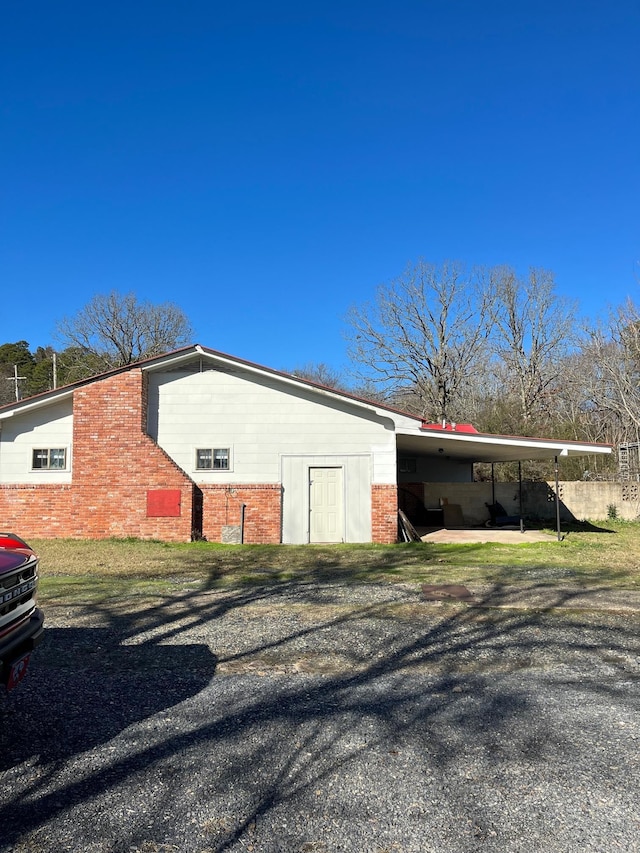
446,592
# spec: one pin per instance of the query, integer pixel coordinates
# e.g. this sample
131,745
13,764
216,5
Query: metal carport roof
465,445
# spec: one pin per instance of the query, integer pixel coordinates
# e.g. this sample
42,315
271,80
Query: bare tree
614,355
330,377
422,336
74,363
320,373
117,329
533,329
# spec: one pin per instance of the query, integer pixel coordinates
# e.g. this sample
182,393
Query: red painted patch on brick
163,503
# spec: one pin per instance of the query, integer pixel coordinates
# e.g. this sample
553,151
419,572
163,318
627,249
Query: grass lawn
83,570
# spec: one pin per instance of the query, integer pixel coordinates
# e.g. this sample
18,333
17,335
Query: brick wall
44,511
222,506
384,514
114,464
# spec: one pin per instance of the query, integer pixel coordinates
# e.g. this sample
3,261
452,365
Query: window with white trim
213,459
49,458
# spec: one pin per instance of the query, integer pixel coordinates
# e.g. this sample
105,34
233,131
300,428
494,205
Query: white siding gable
261,419
47,427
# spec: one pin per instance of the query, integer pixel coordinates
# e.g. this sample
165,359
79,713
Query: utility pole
16,380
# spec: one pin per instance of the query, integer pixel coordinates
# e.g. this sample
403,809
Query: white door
326,509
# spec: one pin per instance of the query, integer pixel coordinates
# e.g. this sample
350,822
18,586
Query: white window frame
213,469
50,450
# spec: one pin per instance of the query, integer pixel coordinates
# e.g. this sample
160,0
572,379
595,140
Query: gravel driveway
325,718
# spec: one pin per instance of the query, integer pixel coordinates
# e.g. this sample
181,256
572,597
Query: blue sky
266,165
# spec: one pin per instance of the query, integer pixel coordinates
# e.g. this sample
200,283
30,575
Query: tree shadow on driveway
429,719
72,710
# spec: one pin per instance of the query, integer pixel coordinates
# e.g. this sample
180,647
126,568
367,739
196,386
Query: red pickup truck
21,622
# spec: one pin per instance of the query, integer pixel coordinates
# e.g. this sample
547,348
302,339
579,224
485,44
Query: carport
457,447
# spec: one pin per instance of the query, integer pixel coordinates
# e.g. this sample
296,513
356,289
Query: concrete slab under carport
505,536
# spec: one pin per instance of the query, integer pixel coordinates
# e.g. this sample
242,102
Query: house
198,444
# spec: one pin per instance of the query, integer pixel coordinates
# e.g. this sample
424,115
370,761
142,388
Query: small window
221,458
212,459
49,458
204,459
407,465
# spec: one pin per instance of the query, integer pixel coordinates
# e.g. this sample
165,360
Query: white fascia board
171,361
405,424
559,448
18,409
482,440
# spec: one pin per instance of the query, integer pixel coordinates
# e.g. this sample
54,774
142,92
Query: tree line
485,345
